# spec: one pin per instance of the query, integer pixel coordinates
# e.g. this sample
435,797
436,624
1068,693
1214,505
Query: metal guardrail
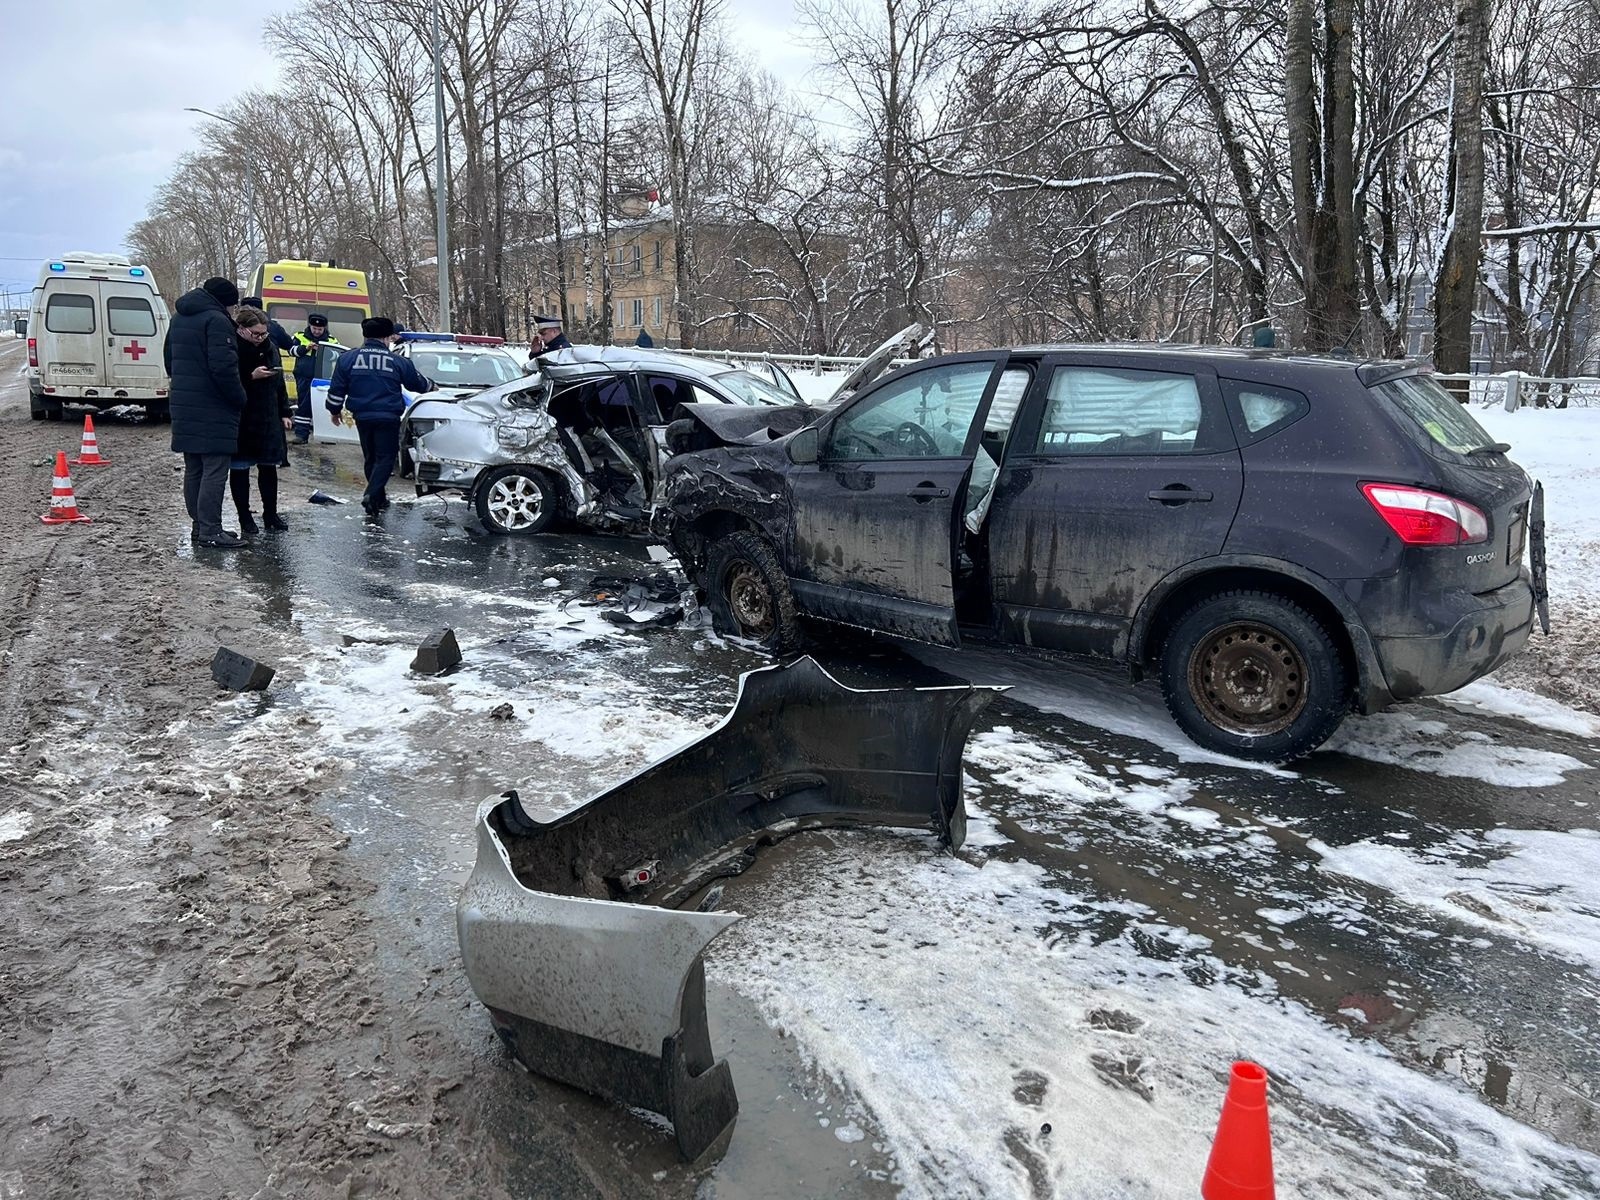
1514,390
820,364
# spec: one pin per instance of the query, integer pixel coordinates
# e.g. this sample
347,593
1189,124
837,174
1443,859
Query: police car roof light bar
409,336
479,339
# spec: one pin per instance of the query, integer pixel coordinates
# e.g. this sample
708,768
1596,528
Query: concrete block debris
437,653
237,673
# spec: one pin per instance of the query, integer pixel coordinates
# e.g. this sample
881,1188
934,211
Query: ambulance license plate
72,368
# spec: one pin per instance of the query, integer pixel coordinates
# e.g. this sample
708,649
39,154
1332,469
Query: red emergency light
479,339
33,352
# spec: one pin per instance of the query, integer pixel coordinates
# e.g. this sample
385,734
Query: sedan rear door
875,528
1115,478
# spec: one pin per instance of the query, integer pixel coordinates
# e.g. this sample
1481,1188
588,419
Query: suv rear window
1440,415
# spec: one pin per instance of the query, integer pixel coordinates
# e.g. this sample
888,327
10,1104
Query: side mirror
805,446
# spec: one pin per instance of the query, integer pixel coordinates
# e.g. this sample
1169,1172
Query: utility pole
441,199
252,225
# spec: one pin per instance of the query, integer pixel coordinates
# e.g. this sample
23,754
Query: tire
516,500
1254,675
36,408
748,593
158,412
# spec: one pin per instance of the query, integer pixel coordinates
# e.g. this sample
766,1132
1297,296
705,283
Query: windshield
453,369
752,390
1439,414
344,323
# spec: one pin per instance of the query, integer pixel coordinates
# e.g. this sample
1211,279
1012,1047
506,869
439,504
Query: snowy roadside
1560,447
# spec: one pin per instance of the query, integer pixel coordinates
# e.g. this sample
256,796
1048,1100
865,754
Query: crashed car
586,435
583,936
1280,538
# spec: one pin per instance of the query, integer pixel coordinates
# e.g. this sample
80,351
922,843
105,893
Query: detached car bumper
1482,632
583,936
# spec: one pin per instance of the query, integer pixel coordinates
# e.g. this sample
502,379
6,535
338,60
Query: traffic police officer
368,381
306,344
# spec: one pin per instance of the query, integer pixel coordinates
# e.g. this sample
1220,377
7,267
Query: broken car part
584,935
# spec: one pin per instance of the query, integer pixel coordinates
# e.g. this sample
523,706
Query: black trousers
380,450
239,483
205,481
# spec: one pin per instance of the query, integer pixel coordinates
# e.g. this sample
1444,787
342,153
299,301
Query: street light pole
249,187
441,198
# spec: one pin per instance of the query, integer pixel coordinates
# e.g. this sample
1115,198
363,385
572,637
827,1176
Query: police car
460,364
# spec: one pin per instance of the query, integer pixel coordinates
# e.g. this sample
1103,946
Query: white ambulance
95,334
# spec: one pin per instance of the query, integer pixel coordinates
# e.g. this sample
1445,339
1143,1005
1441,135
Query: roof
1230,357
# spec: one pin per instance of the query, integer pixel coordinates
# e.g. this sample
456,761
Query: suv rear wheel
748,593
1254,675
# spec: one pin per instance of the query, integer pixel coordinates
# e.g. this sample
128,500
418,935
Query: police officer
306,344
368,381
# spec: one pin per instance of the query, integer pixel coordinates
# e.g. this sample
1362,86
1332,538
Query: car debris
584,935
240,673
437,653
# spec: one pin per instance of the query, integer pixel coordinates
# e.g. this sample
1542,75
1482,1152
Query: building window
638,259
638,312
658,265
655,305
743,321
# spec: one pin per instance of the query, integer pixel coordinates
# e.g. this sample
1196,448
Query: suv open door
876,495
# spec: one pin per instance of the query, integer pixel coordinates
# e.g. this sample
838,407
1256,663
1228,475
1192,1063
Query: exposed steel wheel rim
1248,678
749,599
516,502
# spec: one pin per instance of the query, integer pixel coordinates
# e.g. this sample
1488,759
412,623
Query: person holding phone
267,418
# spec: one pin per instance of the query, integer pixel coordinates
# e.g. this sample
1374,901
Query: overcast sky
92,94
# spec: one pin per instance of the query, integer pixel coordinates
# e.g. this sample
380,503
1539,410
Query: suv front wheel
1254,675
748,593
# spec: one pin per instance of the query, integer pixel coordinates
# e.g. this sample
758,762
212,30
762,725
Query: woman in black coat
262,425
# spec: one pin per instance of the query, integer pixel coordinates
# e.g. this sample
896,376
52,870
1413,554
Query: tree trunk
1456,289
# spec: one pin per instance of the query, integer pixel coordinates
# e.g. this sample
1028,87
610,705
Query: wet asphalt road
1516,1024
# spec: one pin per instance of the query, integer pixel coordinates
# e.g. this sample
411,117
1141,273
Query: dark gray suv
1281,539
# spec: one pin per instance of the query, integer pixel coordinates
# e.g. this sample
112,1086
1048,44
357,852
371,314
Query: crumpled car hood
583,936
748,425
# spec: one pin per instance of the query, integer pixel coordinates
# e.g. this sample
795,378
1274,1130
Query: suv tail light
33,352
1423,518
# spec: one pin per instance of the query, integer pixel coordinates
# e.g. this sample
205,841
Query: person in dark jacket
369,381
547,337
263,424
306,344
276,334
202,358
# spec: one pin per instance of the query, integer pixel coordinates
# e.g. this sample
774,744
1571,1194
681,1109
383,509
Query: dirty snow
1402,738
1537,885
1009,1015
1502,700
14,825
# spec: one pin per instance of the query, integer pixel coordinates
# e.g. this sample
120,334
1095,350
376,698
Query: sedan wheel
516,500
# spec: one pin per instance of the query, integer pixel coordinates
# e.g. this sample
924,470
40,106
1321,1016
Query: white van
95,336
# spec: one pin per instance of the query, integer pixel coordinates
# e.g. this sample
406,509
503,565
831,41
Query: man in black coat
202,357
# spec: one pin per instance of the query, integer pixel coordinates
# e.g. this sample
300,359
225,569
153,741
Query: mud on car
586,434
1280,539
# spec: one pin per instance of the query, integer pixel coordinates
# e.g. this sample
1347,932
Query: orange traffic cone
89,455
1240,1166
63,504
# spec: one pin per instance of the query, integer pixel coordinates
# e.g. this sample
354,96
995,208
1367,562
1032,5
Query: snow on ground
1561,448
1024,1052
1503,700
1534,884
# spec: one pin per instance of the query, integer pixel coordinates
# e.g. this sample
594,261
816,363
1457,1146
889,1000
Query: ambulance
96,327
293,290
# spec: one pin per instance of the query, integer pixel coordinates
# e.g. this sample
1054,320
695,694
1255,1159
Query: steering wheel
909,436
845,436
